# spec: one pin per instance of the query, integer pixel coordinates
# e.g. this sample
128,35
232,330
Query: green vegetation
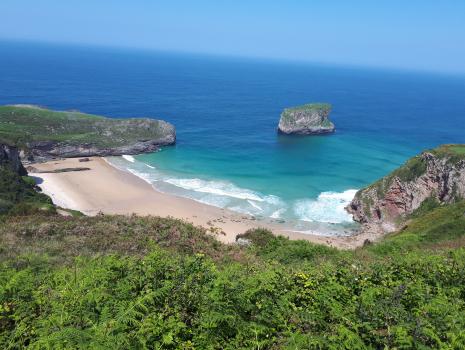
324,108
21,124
130,282
453,153
431,227
18,195
311,107
410,171
450,150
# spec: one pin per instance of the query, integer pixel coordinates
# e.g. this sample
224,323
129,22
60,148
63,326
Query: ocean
226,111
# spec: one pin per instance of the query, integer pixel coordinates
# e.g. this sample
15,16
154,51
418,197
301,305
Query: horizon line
329,64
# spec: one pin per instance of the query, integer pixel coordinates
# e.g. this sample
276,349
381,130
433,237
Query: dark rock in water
309,119
31,169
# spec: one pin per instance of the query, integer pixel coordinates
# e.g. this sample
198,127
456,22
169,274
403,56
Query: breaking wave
129,158
328,207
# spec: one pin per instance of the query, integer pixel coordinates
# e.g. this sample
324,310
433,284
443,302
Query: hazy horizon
418,35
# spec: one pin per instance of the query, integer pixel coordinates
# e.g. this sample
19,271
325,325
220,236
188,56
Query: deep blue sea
226,112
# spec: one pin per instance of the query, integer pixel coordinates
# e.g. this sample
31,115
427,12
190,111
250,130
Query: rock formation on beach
43,134
309,119
9,156
432,178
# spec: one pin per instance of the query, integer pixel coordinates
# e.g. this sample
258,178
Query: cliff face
310,119
9,156
163,134
45,134
437,175
43,150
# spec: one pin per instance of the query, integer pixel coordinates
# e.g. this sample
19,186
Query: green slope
130,283
24,124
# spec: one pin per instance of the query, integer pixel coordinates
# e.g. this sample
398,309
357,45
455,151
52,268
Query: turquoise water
226,112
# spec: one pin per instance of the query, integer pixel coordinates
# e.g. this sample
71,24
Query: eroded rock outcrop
309,119
44,134
9,156
437,175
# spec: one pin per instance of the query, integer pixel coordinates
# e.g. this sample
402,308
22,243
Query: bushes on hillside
171,300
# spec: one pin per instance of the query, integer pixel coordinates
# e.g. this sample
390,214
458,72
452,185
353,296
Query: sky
407,34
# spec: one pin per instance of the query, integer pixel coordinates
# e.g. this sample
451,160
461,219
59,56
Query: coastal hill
431,179
43,134
309,119
131,282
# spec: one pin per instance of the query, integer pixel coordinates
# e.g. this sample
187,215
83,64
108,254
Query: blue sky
411,34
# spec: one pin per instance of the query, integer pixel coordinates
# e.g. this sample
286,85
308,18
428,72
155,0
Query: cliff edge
434,177
43,134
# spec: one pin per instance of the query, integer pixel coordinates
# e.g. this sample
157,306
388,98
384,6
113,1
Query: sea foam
329,207
216,187
129,158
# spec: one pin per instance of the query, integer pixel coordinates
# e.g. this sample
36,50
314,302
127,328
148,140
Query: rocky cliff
9,157
43,134
309,119
435,176
18,193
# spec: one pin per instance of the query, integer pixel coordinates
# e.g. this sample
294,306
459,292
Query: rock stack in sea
309,119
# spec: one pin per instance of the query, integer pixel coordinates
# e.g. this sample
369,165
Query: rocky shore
10,156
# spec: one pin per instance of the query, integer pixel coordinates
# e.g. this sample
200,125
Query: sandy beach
104,189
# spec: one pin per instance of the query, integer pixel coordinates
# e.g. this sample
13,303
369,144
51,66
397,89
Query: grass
454,153
20,125
65,238
288,113
448,150
430,227
326,107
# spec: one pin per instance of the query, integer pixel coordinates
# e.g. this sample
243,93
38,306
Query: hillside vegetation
320,108
22,125
129,282
18,194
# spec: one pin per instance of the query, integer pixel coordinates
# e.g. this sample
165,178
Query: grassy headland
23,125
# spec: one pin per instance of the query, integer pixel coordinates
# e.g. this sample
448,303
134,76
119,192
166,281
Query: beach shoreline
103,188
